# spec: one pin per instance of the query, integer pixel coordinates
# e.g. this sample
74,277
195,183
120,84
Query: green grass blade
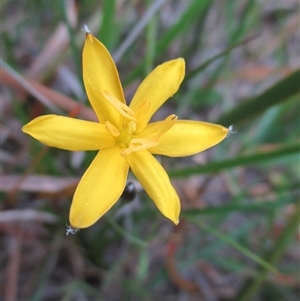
242,160
106,31
228,240
254,285
201,67
151,38
195,9
136,31
71,290
74,48
47,270
207,252
135,240
279,92
191,13
255,207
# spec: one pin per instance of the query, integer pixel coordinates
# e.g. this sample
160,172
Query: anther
112,129
131,127
138,144
166,124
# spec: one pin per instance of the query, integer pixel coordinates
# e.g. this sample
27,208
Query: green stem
272,257
74,48
106,30
242,160
150,43
138,242
226,239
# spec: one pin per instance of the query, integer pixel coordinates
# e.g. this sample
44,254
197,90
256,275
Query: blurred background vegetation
238,238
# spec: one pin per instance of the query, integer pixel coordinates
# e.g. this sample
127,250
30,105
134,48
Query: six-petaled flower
124,137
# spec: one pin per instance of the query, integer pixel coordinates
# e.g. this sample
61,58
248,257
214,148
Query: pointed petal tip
181,64
76,224
181,60
173,214
176,222
174,219
24,129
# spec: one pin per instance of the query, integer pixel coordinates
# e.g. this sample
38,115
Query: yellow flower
124,136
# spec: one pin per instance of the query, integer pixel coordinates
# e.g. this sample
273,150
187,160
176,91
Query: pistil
126,135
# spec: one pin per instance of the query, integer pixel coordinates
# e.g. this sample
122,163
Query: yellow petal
100,188
186,138
162,83
156,183
69,133
100,74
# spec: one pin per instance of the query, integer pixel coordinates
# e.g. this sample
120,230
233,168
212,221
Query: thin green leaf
107,30
255,207
253,286
207,251
71,290
151,38
232,243
135,240
186,20
192,12
279,92
74,48
242,160
198,69
47,269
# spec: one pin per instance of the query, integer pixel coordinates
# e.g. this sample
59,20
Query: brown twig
14,251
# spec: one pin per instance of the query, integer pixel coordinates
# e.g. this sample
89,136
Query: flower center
125,134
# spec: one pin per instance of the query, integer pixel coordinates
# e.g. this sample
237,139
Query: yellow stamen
118,105
142,109
112,129
131,127
158,129
138,144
